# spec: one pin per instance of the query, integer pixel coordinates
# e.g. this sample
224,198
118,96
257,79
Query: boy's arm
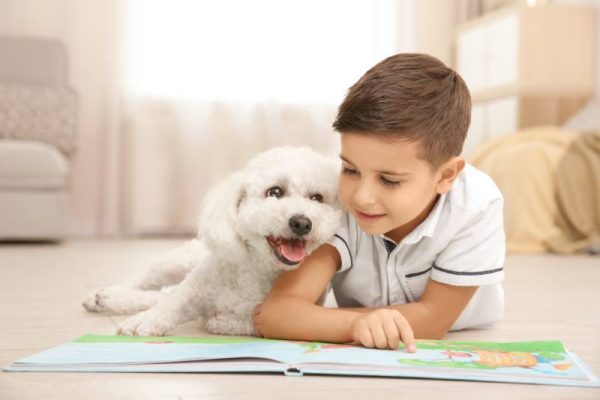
290,312
436,311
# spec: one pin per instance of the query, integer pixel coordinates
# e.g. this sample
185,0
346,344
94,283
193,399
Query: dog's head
281,207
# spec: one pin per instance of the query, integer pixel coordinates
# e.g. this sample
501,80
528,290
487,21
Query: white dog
256,224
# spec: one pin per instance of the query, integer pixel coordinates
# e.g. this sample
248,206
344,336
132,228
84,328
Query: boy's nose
364,196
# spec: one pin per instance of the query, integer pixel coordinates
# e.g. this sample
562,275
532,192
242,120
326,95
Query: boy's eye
349,171
275,191
387,182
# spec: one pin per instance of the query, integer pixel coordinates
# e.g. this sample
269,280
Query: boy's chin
371,229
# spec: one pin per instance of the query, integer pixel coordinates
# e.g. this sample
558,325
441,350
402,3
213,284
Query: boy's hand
256,319
383,328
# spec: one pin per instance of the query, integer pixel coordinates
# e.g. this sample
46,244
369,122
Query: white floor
42,286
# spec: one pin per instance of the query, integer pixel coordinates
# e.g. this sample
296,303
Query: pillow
39,113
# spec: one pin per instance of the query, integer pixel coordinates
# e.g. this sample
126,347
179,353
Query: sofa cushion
31,165
33,60
40,113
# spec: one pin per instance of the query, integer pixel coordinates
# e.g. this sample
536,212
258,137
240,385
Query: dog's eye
317,197
275,191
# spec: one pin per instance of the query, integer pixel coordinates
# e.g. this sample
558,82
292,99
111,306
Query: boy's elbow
264,322
432,333
278,317
438,325
440,333
270,321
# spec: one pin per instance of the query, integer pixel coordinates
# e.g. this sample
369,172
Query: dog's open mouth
288,251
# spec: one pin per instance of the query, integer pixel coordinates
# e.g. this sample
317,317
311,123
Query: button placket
386,274
400,277
391,267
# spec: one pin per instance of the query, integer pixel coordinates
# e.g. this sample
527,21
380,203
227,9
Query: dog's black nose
300,224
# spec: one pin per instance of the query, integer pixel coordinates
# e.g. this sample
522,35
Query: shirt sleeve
475,257
345,242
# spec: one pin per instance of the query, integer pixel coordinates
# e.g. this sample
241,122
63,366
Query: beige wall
598,51
436,22
595,3
427,26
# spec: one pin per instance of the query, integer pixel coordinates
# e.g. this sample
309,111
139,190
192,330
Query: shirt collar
427,227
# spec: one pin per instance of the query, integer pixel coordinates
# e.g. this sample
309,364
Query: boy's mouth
368,217
288,251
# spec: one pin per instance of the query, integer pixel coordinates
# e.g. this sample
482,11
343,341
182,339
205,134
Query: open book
540,362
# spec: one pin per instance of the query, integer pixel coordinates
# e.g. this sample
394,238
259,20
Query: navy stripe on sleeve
347,248
489,271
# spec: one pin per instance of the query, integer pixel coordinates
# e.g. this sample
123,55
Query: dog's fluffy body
249,232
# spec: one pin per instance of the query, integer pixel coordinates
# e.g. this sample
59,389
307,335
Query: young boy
421,250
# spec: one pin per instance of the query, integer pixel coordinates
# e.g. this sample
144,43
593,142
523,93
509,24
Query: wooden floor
42,286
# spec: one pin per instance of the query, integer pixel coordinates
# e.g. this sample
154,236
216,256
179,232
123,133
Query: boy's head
413,97
403,125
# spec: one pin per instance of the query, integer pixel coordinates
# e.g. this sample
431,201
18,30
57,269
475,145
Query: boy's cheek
343,194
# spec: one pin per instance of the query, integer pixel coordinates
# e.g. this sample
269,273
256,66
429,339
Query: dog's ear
218,215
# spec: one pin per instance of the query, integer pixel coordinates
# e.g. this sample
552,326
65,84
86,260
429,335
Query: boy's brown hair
410,96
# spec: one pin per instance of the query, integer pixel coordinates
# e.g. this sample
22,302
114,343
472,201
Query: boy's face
387,188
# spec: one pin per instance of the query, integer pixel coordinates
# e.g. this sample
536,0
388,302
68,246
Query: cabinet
526,66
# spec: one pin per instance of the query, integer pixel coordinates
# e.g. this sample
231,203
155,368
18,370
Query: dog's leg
230,324
173,267
170,270
237,320
122,300
181,305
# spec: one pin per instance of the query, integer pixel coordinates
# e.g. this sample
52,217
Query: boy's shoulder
473,190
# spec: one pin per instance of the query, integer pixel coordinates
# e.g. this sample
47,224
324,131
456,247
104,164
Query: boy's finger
257,331
392,334
378,335
255,322
406,333
366,339
257,309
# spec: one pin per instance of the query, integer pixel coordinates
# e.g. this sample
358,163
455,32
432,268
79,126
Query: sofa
37,139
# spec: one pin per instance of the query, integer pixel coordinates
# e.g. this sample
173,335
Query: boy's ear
448,172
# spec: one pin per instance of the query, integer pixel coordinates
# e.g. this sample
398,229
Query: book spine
293,372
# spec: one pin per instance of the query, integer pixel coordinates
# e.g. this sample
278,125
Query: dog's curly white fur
259,222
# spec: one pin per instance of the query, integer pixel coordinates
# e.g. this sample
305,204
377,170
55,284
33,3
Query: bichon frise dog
259,222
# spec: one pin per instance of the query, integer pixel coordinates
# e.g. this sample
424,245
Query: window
291,51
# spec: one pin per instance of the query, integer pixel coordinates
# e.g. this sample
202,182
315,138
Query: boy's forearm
298,319
422,320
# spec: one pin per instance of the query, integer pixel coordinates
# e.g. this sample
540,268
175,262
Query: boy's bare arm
290,312
433,315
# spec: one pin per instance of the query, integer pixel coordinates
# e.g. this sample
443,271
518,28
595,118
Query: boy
421,250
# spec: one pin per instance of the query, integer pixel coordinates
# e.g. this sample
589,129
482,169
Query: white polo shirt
461,243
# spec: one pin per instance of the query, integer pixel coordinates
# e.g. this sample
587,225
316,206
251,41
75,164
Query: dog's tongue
293,250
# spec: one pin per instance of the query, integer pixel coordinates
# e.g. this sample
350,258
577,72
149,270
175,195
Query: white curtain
210,84
175,94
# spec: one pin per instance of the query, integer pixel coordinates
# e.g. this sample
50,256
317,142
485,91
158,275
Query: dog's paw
144,324
96,302
122,300
105,299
